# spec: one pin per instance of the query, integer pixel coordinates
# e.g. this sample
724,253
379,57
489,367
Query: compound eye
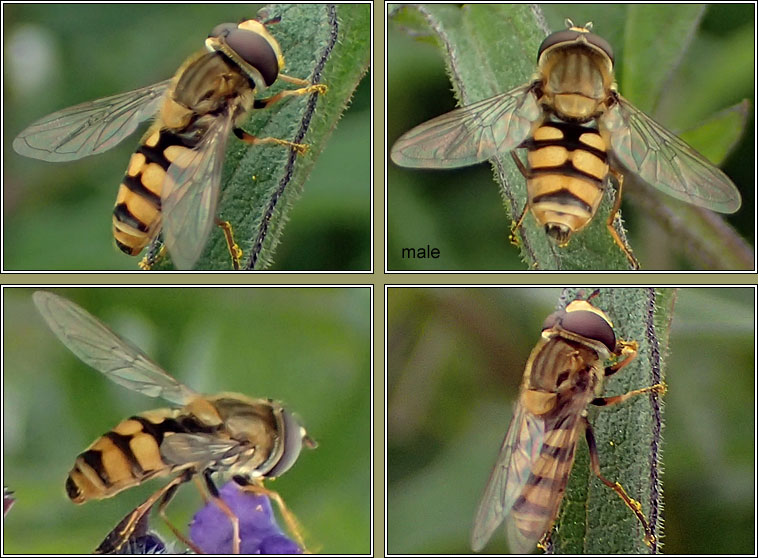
567,36
223,29
590,325
256,51
293,443
553,319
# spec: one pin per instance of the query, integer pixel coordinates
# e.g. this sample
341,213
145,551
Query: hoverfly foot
151,258
234,250
513,237
300,148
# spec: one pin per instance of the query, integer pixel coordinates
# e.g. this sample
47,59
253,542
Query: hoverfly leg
201,488
126,529
628,353
319,88
233,519
289,518
515,226
631,503
265,102
519,164
611,218
300,148
155,252
234,250
168,493
660,389
293,80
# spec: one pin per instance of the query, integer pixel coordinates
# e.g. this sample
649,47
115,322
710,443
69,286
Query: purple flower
211,529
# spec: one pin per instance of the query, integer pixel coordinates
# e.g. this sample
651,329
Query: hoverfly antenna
584,29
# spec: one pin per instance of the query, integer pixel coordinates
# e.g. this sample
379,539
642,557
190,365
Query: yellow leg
147,263
609,224
515,226
234,250
631,503
293,525
300,148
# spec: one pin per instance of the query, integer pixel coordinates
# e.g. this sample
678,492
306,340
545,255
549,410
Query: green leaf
322,43
593,518
643,42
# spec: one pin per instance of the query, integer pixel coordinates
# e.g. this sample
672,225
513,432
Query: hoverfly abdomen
137,213
124,457
567,169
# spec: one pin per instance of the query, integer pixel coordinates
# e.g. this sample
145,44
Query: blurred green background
308,347
455,360
460,211
58,215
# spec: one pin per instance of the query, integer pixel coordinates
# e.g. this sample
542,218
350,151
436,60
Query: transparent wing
520,450
190,194
535,507
198,448
95,344
665,161
470,134
89,128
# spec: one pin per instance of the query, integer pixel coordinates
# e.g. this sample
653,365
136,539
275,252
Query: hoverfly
577,131
172,181
245,438
563,374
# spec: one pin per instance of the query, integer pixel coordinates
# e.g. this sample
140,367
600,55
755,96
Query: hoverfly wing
197,448
536,505
472,133
89,128
190,194
518,453
96,345
666,162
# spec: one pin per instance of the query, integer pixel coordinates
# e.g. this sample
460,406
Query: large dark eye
293,443
256,51
590,325
568,35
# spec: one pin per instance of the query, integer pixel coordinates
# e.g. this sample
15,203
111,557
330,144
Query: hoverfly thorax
276,434
576,70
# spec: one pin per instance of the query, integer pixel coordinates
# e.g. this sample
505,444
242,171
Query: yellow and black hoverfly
247,439
172,182
563,375
578,131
